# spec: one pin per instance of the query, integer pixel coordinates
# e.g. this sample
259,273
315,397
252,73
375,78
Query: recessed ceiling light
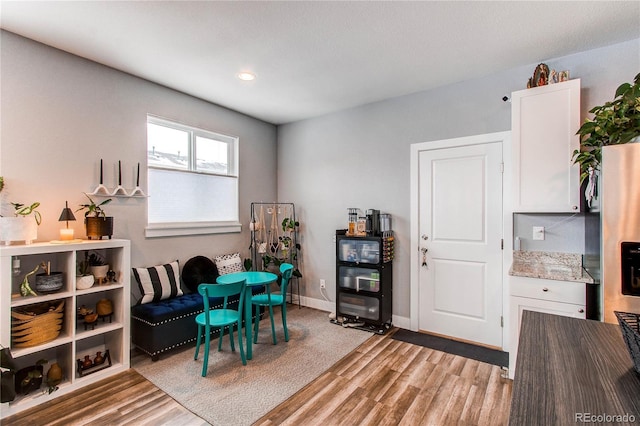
246,76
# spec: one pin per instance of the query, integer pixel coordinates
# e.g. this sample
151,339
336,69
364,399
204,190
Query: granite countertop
549,265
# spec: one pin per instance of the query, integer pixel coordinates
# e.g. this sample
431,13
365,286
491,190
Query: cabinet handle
545,289
581,310
574,207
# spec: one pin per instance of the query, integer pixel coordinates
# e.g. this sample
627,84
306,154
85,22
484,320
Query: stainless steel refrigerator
620,215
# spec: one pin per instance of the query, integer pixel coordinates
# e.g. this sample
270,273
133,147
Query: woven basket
36,324
630,325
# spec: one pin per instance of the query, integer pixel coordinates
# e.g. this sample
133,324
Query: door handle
424,251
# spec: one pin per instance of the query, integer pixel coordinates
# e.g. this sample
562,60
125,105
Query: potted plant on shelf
615,122
18,227
98,267
97,223
84,279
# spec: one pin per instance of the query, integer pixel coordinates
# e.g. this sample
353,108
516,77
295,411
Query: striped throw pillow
158,282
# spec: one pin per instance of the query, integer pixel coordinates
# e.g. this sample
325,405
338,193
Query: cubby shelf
74,342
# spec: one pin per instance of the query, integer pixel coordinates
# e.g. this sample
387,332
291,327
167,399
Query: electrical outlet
538,233
323,283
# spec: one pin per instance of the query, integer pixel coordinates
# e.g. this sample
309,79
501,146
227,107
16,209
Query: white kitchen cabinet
75,341
565,298
544,122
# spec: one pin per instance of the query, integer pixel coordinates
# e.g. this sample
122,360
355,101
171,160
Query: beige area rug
233,394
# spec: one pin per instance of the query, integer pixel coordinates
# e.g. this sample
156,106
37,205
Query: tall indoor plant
615,122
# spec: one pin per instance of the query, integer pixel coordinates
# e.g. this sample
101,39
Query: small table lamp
66,234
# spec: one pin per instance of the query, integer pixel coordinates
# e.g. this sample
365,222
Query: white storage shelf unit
74,341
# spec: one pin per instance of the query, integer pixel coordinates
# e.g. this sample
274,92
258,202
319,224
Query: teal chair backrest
286,269
222,290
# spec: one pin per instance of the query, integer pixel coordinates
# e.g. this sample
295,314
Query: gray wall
360,157
61,114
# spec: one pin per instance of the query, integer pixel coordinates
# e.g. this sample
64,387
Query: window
192,178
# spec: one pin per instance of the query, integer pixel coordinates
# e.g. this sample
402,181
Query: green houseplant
287,249
97,223
614,122
17,228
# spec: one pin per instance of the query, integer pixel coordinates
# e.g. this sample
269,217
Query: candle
66,234
119,173
138,177
101,171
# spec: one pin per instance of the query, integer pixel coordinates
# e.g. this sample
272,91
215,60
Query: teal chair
220,318
271,300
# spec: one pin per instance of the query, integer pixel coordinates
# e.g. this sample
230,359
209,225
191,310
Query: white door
460,226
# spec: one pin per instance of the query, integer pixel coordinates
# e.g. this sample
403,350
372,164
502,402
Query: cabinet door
359,306
544,122
359,251
359,279
519,304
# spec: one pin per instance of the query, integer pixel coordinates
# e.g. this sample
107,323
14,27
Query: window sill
158,230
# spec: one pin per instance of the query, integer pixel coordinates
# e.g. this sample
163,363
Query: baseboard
328,306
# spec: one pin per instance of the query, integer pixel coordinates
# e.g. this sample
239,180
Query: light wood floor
383,382
124,399
388,382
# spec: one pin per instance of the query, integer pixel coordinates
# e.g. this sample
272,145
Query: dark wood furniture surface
570,367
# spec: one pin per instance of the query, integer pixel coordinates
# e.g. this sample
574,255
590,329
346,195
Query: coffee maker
373,222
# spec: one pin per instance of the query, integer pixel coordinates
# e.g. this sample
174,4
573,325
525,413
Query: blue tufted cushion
176,307
170,309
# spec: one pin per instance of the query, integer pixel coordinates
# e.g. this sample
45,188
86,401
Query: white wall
61,114
360,157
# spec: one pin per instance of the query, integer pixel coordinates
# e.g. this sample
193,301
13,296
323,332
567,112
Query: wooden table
254,278
570,370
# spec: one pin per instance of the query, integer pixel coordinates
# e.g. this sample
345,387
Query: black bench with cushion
161,325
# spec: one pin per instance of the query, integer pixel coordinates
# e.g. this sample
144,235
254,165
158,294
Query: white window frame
169,229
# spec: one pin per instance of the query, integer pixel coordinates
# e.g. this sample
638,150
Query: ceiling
313,58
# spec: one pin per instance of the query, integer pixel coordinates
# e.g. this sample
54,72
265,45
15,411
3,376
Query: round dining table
253,279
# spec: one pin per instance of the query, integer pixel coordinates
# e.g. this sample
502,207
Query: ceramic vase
104,307
54,375
87,362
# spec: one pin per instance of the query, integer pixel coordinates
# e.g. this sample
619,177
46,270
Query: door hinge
501,321
501,167
501,243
